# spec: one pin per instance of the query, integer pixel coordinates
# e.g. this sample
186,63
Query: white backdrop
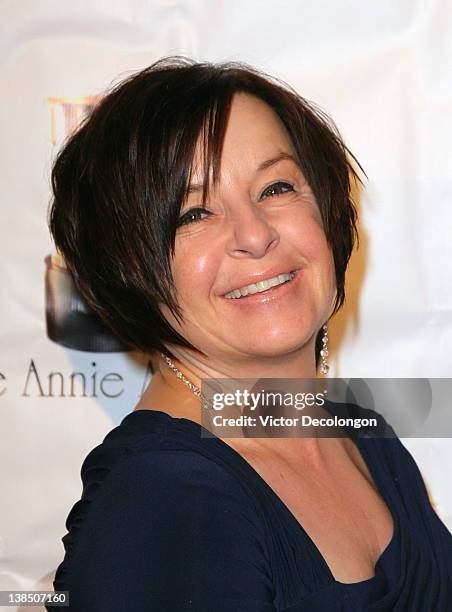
382,70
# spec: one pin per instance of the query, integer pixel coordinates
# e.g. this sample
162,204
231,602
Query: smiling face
261,220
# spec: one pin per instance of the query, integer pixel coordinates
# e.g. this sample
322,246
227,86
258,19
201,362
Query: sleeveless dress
170,521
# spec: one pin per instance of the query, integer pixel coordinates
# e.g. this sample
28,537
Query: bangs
203,139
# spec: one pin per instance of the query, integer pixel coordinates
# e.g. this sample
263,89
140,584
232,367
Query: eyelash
184,219
278,183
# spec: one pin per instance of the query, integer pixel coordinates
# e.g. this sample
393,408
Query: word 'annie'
75,384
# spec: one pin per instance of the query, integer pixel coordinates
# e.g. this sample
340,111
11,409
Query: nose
252,234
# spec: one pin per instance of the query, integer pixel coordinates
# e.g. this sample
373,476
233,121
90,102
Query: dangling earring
324,367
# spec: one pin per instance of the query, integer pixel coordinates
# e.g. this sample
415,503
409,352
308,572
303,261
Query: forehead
252,116
253,133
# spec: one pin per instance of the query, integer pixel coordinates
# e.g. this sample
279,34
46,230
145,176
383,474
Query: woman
188,185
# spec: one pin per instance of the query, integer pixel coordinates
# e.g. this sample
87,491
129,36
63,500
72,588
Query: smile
260,286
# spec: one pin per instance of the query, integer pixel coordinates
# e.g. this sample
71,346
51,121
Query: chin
274,347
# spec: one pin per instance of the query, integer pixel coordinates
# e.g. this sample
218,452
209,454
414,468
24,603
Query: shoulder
154,515
154,472
164,475
170,497
155,451
148,477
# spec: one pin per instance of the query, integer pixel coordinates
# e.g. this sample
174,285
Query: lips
258,277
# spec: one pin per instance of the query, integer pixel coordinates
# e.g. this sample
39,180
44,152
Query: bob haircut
120,180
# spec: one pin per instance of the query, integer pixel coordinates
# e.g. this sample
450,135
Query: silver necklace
193,388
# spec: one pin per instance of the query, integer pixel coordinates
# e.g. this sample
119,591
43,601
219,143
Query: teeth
260,286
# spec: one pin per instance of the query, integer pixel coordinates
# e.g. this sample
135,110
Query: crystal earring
324,367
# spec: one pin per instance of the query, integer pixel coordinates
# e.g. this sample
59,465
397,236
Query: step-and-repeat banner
381,70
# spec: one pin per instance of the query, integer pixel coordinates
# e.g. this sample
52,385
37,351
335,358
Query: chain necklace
193,388
205,403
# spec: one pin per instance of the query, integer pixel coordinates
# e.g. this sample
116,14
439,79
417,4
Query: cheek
194,271
305,233
307,237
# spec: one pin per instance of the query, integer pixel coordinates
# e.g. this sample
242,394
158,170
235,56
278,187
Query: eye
276,189
192,216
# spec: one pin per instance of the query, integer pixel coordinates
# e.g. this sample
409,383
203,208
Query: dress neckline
292,521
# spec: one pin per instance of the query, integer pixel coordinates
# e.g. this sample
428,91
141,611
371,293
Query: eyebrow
265,165
275,160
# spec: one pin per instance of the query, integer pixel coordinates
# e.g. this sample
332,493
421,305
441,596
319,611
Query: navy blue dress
171,521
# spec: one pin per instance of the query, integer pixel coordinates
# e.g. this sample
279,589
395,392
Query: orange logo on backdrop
66,113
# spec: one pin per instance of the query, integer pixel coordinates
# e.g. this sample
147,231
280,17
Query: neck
166,392
298,364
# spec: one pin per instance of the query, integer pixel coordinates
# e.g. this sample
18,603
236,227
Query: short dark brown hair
121,178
